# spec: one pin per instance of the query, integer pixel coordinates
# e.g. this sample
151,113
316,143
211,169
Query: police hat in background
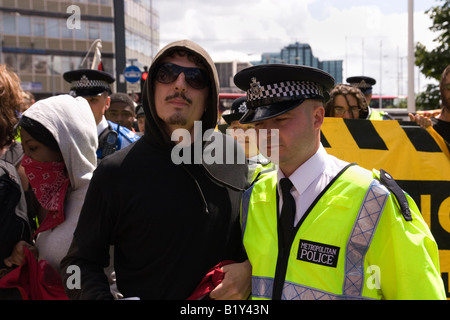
139,111
88,82
237,110
274,89
362,83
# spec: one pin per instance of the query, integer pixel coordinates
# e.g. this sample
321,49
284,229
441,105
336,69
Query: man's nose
180,83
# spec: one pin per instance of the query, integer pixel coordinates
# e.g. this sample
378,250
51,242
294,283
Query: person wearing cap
140,118
365,84
94,86
318,227
245,134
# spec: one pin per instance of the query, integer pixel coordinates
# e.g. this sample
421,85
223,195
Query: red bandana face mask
49,181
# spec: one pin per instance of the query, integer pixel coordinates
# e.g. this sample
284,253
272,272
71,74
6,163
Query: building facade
41,40
301,54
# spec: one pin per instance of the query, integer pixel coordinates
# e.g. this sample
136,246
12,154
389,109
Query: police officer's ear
108,102
318,114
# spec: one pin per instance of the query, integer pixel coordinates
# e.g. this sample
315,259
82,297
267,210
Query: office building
40,40
301,54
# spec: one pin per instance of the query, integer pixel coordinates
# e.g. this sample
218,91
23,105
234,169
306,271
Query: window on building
66,33
81,34
9,24
93,31
24,25
64,64
38,27
10,60
106,31
53,28
41,64
25,63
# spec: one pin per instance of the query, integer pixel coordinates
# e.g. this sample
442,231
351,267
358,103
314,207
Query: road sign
132,74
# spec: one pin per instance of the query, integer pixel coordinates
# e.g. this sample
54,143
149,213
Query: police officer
94,86
365,84
318,227
257,163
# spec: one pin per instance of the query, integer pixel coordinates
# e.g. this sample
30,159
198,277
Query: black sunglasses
168,72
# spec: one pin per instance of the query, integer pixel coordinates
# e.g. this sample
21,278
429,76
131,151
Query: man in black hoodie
177,219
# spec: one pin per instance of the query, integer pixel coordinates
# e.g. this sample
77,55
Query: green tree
432,63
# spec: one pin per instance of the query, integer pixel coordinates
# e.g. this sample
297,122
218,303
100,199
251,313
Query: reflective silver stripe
293,291
361,237
262,287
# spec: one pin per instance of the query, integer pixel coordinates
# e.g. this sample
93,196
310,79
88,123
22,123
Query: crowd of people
87,179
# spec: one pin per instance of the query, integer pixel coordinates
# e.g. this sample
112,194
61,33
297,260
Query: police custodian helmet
274,89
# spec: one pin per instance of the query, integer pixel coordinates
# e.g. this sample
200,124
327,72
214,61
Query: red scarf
49,181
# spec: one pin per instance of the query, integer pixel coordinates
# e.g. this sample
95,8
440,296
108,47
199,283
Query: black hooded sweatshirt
169,224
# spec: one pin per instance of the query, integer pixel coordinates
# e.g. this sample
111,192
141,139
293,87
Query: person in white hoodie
59,138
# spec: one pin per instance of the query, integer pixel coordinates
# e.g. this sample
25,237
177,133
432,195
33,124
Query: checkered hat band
280,91
86,84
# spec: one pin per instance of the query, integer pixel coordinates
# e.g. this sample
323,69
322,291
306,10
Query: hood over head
72,124
154,126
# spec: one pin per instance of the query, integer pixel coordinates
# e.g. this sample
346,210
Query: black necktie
287,211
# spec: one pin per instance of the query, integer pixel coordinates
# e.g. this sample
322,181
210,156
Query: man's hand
422,121
236,284
18,255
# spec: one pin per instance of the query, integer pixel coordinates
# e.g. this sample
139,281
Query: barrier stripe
324,141
365,134
422,141
406,155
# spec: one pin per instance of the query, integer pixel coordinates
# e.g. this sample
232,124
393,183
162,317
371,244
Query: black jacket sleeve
83,267
87,281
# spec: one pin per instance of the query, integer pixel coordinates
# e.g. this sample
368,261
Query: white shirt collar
309,171
102,126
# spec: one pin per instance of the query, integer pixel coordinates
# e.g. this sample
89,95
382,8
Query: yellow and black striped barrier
417,158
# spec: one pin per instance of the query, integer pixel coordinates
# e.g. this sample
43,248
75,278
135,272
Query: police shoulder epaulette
263,161
387,180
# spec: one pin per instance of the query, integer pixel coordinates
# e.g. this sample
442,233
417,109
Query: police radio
110,143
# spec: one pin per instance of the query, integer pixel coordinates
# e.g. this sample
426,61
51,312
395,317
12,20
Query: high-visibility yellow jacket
378,115
354,242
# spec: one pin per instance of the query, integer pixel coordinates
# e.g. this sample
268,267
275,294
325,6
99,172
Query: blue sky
356,31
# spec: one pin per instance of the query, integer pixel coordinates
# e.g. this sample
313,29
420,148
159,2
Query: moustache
179,95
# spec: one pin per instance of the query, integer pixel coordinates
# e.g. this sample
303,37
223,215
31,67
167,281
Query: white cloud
237,30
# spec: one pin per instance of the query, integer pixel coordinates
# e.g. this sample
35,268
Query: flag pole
411,58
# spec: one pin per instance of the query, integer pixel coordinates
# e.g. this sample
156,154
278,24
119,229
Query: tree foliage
432,63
